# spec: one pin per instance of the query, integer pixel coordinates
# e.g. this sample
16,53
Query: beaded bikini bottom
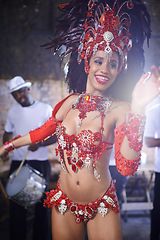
83,212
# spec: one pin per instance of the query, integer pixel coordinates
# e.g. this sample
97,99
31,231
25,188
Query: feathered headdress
88,25
108,30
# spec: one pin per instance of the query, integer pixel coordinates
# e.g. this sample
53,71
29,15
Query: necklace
86,102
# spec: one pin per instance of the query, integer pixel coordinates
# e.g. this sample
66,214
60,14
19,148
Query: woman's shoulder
119,110
64,106
120,105
69,100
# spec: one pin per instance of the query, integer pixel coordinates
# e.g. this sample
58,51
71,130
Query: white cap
17,83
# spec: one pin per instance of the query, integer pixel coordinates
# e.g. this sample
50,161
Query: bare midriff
88,188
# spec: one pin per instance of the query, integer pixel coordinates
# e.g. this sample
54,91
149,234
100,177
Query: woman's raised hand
147,88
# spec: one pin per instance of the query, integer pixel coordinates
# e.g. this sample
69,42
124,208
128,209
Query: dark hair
76,72
69,32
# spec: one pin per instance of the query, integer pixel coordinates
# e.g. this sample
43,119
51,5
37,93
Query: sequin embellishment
81,148
83,212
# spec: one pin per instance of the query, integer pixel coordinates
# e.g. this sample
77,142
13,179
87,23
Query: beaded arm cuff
134,130
8,146
125,167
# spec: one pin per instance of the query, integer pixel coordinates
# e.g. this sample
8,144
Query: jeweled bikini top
81,148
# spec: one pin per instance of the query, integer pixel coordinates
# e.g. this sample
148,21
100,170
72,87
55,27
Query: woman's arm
12,144
128,143
35,136
129,134
40,134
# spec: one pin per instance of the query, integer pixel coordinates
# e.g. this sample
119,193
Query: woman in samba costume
88,121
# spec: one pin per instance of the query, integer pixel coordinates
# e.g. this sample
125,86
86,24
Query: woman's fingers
153,77
155,74
145,77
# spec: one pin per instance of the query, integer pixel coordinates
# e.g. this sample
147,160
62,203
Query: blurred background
24,26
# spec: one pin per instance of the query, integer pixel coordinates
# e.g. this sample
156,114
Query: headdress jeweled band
105,29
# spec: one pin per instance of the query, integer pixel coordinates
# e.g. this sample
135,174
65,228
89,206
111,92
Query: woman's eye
98,62
113,65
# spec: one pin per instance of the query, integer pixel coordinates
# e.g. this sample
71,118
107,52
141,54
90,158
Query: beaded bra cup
81,148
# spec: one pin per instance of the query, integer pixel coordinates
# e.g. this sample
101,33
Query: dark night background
24,26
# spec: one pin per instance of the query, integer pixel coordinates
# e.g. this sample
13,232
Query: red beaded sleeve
125,167
47,129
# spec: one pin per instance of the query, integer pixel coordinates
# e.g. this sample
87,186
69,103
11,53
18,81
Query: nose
18,95
104,68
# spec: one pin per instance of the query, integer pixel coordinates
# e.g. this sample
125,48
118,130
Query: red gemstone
91,4
74,168
130,4
89,210
87,98
73,208
74,160
69,160
97,100
79,164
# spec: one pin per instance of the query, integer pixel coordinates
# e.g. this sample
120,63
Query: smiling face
102,72
22,96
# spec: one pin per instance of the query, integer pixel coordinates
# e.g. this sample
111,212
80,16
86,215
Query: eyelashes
99,62
111,64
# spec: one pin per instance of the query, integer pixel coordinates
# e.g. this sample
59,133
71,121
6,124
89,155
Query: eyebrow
101,58
113,60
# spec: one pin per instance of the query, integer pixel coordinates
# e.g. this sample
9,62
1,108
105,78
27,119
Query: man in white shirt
152,139
23,117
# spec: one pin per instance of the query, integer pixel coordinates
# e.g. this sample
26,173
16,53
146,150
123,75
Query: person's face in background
23,97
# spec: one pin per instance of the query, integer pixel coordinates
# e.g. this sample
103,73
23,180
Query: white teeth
102,78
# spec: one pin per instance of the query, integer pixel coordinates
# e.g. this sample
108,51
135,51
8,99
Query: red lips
101,79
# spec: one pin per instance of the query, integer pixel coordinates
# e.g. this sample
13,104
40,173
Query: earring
87,67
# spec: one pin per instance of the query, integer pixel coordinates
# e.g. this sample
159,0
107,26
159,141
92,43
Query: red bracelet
134,130
8,146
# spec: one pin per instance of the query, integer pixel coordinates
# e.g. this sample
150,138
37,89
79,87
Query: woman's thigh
64,227
105,228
